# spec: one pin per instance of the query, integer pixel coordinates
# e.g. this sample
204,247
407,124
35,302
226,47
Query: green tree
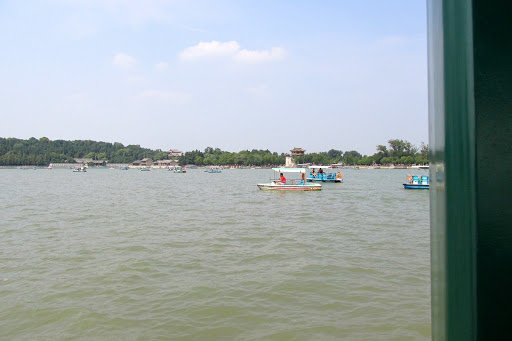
160,156
198,161
333,153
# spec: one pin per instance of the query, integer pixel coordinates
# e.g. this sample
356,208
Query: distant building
175,153
83,161
289,162
88,161
165,163
143,163
99,162
297,152
294,152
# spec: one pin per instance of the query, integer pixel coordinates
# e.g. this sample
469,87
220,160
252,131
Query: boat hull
305,187
414,186
324,180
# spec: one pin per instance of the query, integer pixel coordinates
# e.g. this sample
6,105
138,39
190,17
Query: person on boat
283,179
313,173
320,171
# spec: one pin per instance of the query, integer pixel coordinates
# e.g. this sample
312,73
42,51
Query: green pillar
470,122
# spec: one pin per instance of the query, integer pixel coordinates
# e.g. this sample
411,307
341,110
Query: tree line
397,152
212,156
41,152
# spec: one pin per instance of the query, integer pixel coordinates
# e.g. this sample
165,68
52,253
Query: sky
234,75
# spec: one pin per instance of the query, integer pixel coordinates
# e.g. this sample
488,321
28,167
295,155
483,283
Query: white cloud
231,50
277,53
259,90
164,96
161,66
135,79
124,61
77,97
211,49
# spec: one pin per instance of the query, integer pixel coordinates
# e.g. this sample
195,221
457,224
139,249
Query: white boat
177,169
80,170
291,184
145,169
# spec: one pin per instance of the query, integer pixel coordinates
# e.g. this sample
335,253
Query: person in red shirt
283,179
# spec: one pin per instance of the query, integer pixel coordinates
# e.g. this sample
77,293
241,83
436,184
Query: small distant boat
318,174
290,185
123,168
179,169
417,182
80,170
145,169
214,169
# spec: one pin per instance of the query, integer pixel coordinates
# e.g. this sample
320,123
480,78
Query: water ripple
157,255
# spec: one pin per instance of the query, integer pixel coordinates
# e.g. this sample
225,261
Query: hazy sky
230,74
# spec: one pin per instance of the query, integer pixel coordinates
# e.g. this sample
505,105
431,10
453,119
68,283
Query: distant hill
41,152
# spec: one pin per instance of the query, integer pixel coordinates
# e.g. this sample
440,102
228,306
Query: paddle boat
417,182
145,169
290,184
213,169
177,169
319,174
79,169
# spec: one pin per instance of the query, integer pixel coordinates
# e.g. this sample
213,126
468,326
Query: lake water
130,255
